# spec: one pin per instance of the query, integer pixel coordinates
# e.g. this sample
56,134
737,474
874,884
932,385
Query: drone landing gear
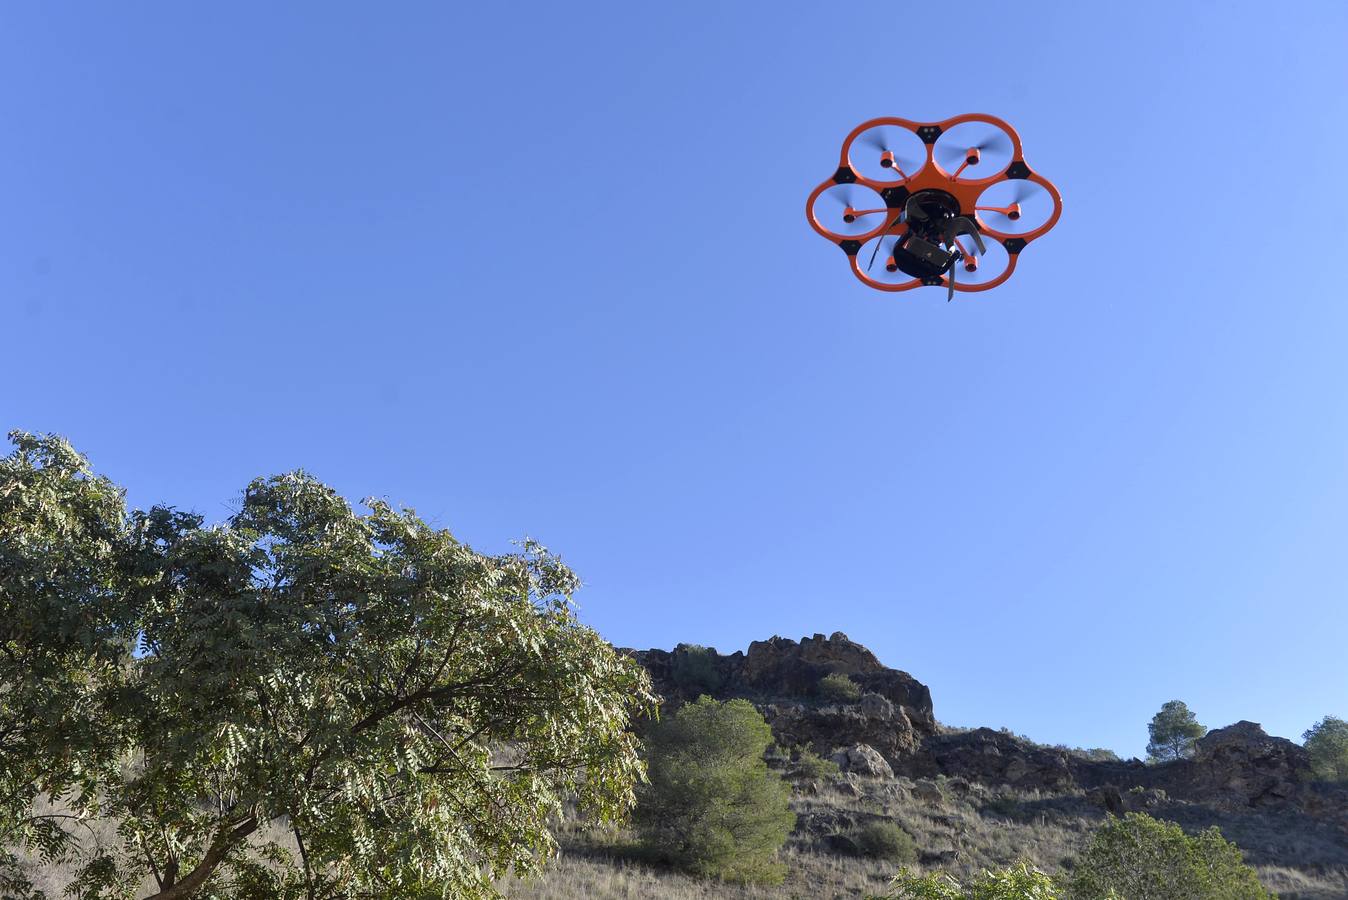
931,247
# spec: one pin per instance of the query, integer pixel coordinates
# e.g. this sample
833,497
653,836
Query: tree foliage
1140,858
1019,882
711,804
1174,731
1327,744
301,702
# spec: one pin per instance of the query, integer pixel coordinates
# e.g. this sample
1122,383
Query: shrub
885,840
1140,858
810,766
838,688
694,669
1094,754
1019,882
711,805
1327,744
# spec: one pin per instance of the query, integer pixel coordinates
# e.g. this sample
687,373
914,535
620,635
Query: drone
928,199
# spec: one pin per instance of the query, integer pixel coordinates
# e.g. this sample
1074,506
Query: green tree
711,804
1174,732
1140,858
1327,744
319,704
1019,882
838,688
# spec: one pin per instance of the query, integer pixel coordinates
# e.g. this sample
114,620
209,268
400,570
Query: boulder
862,759
928,791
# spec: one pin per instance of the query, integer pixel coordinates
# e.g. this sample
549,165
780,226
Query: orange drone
906,193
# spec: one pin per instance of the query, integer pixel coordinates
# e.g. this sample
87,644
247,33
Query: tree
1140,858
1019,882
1327,744
1174,731
711,804
303,702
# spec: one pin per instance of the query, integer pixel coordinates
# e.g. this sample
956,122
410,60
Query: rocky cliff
1235,768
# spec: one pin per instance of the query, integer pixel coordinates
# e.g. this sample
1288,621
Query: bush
880,839
1139,858
711,805
1327,744
1020,882
838,688
810,766
694,669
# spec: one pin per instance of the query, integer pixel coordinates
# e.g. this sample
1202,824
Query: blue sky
546,272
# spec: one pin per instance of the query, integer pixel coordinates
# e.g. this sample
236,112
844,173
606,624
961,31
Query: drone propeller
890,153
965,145
1016,205
849,209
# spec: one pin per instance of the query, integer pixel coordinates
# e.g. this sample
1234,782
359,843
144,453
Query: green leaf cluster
711,805
1327,744
303,701
1140,858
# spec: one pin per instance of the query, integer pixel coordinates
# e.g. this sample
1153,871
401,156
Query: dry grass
964,829
968,829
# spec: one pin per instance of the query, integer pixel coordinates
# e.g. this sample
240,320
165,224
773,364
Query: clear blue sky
544,270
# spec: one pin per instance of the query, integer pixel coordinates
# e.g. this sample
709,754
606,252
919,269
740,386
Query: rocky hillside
1255,786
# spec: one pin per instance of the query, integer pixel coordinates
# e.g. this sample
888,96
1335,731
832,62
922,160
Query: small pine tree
1174,732
1327,744
1140,858
711,805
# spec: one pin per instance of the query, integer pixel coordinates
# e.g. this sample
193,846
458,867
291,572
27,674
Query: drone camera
928,252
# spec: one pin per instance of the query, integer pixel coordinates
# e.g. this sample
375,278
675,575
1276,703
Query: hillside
971,798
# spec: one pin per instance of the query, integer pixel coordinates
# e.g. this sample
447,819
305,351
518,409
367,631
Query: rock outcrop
781,677
890,728
862,759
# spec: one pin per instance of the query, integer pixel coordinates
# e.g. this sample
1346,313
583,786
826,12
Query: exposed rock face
892,727
1238,766
991,757
862,759
781,677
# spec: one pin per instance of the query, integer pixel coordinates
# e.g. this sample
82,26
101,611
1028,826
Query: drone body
905,196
